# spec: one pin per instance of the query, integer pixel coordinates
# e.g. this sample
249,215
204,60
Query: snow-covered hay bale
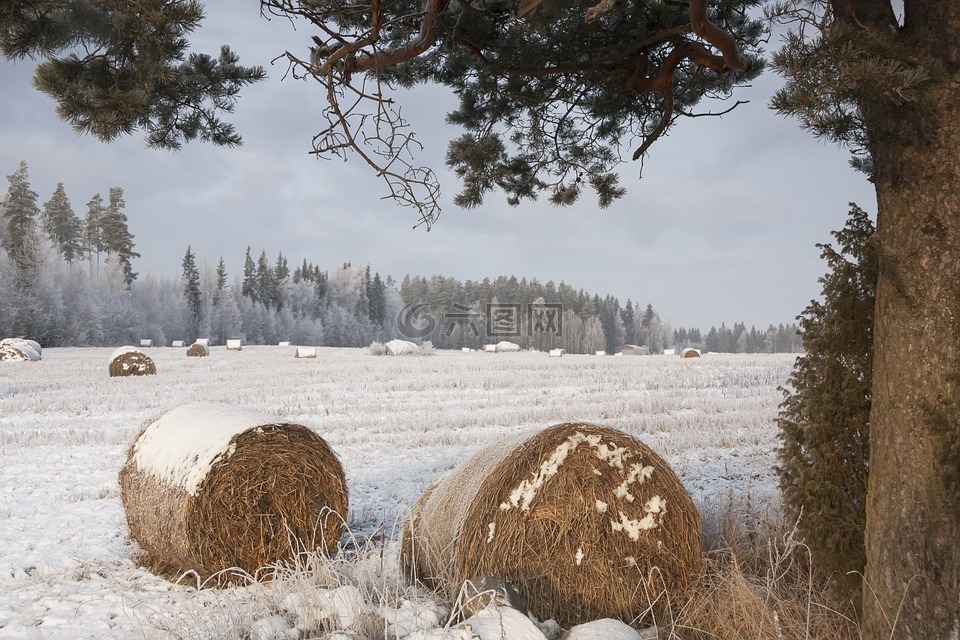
507,346
129,361
689,353
400,347
24,342
198,350
146,343
18,353
234,345
585,521
211,486
306,352
177,344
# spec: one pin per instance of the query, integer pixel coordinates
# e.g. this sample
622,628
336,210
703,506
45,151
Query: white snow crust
182,446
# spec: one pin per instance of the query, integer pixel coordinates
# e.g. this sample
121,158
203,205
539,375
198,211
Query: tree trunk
912,580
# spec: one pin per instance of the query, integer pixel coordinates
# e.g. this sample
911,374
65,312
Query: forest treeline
67,281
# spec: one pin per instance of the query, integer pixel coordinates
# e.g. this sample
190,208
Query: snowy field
396,422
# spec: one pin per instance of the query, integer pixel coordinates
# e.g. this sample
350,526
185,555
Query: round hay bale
211,486
17,353
689,352
20,342
584,521
130,361
198,349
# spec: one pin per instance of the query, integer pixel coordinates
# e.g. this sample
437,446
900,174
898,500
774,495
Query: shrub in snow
585,509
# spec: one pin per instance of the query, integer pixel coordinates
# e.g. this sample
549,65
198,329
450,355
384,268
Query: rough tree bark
912,580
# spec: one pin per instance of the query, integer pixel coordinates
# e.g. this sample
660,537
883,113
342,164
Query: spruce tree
62,225
191,291
825,416
249,287
20,214
218,293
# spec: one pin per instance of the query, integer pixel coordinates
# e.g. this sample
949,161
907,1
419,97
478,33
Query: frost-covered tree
825,417
93,231
116,238
62,225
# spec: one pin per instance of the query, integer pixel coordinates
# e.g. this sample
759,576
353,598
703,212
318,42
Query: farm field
397,423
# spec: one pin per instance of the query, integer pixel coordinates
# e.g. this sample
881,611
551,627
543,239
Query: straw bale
198,349
20,342
584,521
211,487
129,361
689,352
234,345
17,353
305,352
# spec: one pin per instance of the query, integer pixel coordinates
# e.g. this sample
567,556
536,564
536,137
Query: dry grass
761,586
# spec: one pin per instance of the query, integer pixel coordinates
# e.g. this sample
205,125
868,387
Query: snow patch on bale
585,521
211,486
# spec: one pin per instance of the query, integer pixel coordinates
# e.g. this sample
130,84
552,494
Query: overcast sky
721,228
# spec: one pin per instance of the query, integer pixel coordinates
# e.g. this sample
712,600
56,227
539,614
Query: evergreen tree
62,225
93,230
825,416
249,287
116,238
191,291
280,270
20,213
218,293
266,286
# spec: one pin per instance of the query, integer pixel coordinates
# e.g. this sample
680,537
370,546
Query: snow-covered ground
66,568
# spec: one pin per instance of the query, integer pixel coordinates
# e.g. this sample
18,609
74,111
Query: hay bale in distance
212,486
146,342
18,353
32,345
198,350
306,352
130,361
489,348
690,352
557,353
177,344
507,346
400,347
584,521
233,345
